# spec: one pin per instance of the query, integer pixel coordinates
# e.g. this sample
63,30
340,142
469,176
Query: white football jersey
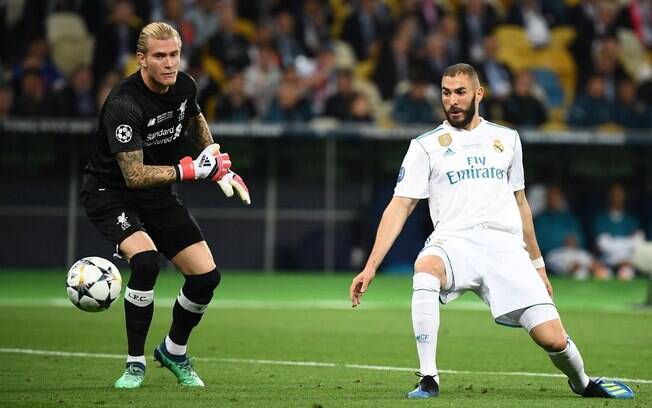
468,176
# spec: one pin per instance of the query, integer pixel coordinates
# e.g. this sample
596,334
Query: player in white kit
471,172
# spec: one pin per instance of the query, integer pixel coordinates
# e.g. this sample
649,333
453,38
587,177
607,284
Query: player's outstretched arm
137,175
530,238
210,164
390,226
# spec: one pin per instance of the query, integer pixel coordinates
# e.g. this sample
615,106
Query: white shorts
494,265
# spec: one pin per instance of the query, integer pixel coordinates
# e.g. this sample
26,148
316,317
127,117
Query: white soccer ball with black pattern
93,283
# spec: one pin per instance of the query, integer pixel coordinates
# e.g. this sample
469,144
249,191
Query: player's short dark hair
462,68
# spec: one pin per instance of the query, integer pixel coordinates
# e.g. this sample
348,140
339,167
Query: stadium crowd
551,64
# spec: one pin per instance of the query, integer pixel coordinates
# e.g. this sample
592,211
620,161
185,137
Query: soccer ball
93,283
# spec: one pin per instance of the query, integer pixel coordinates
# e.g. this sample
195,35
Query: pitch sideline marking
304,364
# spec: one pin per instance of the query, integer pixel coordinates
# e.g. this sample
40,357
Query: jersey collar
480,124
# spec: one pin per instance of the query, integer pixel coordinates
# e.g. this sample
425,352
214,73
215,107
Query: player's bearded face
458,116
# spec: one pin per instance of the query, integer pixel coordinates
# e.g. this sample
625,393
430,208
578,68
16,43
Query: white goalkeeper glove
231,183
210,164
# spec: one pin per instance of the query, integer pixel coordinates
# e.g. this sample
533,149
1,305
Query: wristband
538,263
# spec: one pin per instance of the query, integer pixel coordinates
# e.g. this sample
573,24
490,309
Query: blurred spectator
207,87
287,45
106,84
76,99
175,15
322,80
640,14
313,26
606,63
450,29
38,59
536,17
561,238
116,41
262,77
477,20
365,26
227,44
629,111
617,233
428,13
34,98
338,105
522,108
393,64
21,23
289,105
592,19
413,106
235,106
592,107
435,59
205,20
6,101
360,110
495,75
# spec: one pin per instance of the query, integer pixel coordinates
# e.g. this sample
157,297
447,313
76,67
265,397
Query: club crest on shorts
498,146
123,133
445,139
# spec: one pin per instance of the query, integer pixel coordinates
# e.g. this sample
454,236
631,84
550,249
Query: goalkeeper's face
161,62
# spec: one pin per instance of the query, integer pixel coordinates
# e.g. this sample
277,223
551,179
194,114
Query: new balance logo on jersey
123,222
151,122
448,152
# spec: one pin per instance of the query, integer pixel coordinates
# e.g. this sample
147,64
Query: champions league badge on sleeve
401,173
123,133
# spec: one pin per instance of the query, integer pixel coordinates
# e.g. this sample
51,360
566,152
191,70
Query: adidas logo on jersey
448,152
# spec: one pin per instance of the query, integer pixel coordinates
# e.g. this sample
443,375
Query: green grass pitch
292,340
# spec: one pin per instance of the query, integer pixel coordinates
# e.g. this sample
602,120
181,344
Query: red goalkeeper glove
210,164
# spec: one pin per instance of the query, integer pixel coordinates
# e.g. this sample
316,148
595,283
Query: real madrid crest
498,146
445,139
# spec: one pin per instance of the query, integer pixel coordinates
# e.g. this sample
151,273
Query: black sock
191,303
139,299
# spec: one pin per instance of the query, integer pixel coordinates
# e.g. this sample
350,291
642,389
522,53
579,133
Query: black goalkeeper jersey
135,118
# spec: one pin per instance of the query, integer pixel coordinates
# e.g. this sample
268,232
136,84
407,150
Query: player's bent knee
145,267
550,336
432,265
553,344
200,288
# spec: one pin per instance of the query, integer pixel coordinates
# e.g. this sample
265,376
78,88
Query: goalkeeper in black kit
127,195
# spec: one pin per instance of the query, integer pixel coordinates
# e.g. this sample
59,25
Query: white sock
174,348
425,319
136,359
569,361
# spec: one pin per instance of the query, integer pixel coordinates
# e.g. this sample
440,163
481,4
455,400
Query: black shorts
169,224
